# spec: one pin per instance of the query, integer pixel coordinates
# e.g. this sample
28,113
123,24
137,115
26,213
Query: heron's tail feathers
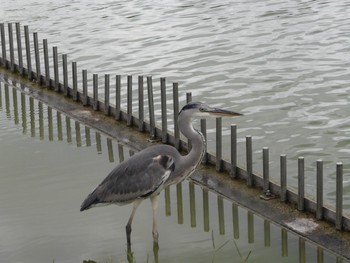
89,201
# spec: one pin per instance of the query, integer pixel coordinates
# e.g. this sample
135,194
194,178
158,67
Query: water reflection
224,229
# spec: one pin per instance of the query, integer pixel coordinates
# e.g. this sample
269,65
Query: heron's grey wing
138,177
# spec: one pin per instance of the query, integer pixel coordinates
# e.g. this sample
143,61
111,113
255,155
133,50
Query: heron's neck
194,157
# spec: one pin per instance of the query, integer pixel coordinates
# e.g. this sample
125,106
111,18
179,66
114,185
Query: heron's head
202,110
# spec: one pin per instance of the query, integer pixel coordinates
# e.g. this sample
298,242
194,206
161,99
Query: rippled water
50,162
284,64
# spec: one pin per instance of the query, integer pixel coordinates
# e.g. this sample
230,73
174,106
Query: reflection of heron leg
154,200
136,203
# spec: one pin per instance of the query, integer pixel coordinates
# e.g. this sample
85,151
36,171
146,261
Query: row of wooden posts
65,80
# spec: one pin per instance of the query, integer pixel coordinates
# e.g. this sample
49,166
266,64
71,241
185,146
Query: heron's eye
201,109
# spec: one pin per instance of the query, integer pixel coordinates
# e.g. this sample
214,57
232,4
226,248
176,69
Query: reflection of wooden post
59,126
167,201
267,233
180,216
32,116
284,237
206,209
302,256
15,106
50,123
41,121
250,227
235,220
320,255
98,142
77,134
121,152
192,204
24,112
110,150
68,130
221,215
87,136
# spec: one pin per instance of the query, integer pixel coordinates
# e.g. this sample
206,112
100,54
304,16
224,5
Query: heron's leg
154,200
136,203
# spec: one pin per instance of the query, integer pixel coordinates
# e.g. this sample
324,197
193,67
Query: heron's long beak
221,112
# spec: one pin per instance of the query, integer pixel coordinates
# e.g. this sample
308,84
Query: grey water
284,64
49,162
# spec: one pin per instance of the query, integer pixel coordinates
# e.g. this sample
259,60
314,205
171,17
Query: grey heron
147,172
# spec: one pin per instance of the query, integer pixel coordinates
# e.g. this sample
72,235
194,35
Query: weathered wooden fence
32,60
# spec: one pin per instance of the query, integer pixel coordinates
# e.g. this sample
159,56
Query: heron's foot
153,139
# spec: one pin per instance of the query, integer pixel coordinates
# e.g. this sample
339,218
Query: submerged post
28,55
117,97
55,69
301,184
164,110
219,144
339,197
85,93
37,57
107,88
233,173
75,80
141,104
204,132
176,113
19,48
319,189
65,74
266,175
95,91
3,44
283,167
151,108
249,160
129,101
46,63
12,52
